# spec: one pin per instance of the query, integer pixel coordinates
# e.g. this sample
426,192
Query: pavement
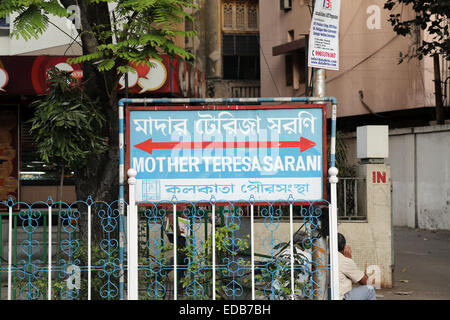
421,266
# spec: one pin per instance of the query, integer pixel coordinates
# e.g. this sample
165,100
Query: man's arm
364,279
348,254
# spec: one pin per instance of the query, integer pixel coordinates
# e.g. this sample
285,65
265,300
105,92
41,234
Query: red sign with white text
28,75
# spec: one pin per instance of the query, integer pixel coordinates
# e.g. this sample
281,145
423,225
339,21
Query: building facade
371,85
23,76
227,47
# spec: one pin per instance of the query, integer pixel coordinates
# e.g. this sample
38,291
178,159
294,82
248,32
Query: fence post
213,236
49,258
252,236
175,252
132,238
10,252
334,263
89,251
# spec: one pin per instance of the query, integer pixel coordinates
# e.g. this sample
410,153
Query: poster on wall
324,35
9,173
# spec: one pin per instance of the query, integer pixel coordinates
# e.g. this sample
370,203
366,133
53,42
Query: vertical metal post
355,196
89,252
49,257
132,238
121,197
9,252
320,277
175,250
252,235
333,172
319,83
291,232
213,235
345,198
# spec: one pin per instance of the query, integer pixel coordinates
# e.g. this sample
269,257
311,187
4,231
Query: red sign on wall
379,177
9,173
28,75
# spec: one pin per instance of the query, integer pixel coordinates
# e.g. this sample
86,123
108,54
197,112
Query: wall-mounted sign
9,173
323,50
147,78
264,152
28,75
3,79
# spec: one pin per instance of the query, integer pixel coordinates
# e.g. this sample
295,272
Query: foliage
341,151
279,273
136,30
275,272
428,15
38,286
66,125
204,276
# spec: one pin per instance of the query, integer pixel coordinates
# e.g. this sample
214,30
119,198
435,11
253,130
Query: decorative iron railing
77,251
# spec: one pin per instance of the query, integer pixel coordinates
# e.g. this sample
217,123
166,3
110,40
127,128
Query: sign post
269,153
283,147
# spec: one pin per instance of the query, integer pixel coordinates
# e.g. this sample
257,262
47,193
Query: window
291,36
288,64
240,16
240,57
295,69
240,44
4,22
4,26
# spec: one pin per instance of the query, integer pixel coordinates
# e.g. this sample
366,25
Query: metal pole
319,255
89,252
333,171
49,257
252,235
175,250
121,198
213,235
121,191
9,251
132,238
291,227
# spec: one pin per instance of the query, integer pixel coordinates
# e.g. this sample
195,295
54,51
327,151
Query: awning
289,47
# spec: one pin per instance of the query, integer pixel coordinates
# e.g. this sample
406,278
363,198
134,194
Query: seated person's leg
361,293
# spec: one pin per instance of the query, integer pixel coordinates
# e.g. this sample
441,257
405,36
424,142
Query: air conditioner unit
285,5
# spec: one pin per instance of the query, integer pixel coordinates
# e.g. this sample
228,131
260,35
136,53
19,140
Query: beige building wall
369,54
371,240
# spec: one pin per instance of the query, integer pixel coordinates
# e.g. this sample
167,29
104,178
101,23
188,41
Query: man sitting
349,274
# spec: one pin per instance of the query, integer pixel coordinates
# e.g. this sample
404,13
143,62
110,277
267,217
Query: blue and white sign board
232,154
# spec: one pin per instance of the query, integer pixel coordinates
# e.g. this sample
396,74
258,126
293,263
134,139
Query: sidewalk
421,266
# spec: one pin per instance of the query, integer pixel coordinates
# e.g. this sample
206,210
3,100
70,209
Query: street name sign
263,153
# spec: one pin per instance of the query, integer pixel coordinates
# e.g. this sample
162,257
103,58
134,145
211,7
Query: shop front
23,176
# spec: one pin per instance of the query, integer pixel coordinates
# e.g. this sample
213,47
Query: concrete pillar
371,240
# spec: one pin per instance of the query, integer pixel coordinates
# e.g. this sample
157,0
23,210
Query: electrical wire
363,60
268,67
